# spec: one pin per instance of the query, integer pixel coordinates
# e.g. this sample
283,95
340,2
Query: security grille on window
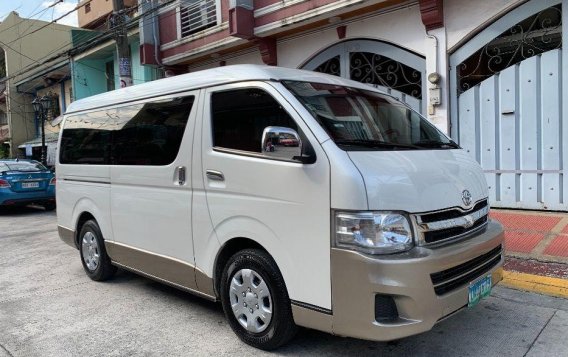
530,37
197,15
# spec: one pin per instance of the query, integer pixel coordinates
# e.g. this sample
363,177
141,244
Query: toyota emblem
466,197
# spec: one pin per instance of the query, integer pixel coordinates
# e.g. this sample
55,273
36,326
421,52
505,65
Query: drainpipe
155,32
435,49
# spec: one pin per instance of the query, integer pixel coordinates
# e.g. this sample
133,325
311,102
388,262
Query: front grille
453,278
451,213
435,236
452,223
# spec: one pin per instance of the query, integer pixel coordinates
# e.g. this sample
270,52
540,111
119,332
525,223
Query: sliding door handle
181,175
215,175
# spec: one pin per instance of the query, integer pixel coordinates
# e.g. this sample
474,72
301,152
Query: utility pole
118,22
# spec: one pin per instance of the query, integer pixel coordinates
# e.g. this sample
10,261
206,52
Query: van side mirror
283,143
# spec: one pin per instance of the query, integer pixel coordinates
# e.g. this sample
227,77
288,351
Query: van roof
202,79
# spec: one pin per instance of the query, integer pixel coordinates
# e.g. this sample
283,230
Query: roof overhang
49,138
45,78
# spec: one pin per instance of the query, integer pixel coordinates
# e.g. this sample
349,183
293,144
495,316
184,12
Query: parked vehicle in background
24,182
376,225
288,141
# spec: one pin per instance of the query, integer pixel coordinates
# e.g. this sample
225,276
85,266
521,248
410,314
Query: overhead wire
107,34
40,13
57,19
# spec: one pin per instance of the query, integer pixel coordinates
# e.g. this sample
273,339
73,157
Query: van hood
419,180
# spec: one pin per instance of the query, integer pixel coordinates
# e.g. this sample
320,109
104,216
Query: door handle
215,175
181,175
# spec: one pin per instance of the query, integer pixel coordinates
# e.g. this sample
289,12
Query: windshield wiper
375,144
437,144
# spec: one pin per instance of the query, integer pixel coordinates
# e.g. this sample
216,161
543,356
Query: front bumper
358,278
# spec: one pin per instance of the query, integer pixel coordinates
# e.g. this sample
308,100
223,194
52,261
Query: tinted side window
240,116
86,139
150,134
139,134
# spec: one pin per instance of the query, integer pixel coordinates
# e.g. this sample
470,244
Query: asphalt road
48,307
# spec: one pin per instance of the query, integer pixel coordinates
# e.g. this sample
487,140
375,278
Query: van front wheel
95,260
255,300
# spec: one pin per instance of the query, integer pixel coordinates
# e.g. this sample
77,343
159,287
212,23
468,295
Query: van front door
151,189
255,188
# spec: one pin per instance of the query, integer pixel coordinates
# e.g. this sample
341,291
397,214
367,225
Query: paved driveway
48,307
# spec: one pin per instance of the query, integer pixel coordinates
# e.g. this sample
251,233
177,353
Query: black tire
281,328
49,206
104,270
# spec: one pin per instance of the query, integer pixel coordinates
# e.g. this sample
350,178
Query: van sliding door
151,188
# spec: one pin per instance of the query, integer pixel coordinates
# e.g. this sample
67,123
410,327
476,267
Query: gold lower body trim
164,269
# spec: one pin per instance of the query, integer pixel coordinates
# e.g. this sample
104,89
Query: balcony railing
197,15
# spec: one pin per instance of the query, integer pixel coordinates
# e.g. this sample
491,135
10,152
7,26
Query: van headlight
373,232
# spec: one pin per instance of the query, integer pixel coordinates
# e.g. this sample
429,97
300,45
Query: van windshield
358,119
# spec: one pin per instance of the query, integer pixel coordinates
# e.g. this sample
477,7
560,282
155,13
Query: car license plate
478,290
30,184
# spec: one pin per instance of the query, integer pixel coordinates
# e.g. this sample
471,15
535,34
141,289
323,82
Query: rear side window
139,134
23,166
240,116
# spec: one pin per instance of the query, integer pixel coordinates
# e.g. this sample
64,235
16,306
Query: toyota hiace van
294,198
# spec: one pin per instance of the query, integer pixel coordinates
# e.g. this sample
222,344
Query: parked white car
374,226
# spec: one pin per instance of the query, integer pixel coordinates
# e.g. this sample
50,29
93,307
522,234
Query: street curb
535,283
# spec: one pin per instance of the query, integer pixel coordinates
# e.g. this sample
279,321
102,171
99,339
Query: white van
292,197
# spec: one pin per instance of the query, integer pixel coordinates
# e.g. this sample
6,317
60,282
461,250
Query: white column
564,99
437,61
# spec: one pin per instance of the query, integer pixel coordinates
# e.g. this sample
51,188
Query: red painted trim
189,46
341,32
290,11
225,10
241,22
259,4
147,54
168,27
432,12
268,52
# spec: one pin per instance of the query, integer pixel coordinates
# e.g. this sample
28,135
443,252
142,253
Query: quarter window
239,118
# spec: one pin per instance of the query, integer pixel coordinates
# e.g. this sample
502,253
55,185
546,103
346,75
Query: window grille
197,15
530,37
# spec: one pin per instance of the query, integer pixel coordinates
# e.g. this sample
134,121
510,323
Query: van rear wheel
95,260
255,300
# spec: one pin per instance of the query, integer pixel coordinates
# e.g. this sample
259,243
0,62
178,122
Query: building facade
26,45
95,67
86,66
51,80
93,14
487,72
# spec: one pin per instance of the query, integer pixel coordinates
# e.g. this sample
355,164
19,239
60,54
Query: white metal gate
388,67
509,113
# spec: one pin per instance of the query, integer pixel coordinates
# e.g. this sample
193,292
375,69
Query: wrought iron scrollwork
530,37
331,66
372,68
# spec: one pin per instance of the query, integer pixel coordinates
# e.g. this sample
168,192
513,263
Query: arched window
383,65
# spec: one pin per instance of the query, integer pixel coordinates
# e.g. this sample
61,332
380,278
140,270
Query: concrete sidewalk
536,249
